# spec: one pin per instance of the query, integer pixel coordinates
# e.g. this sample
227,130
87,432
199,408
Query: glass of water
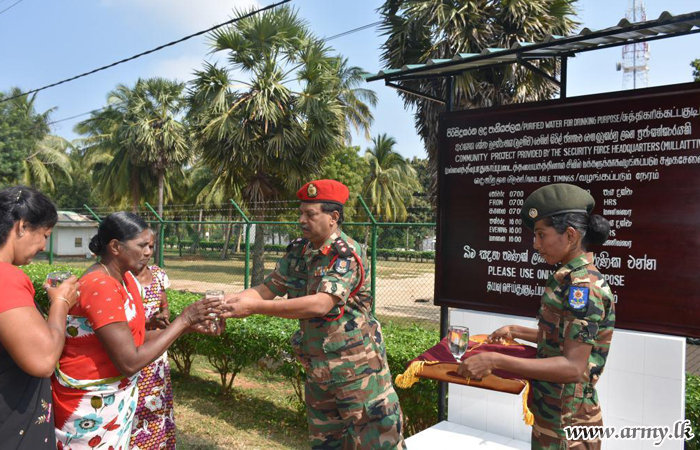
458,340
56,278
214,294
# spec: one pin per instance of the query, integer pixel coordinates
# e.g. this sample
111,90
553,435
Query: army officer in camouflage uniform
575,320
350,400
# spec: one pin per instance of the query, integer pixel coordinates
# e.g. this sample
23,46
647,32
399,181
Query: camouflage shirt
577,304
347,343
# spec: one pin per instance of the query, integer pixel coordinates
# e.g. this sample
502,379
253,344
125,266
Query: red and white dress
94,403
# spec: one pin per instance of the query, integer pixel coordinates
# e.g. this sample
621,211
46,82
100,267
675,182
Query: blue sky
43,41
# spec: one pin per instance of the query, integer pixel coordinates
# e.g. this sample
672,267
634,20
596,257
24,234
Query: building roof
624,33
70,219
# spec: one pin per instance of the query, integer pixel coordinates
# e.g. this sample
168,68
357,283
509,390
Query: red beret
324,191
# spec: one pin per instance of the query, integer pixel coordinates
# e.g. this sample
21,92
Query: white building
72,234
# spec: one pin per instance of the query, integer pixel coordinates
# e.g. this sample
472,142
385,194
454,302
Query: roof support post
563,76
538,71
414,92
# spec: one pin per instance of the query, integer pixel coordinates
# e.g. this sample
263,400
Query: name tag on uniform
578,297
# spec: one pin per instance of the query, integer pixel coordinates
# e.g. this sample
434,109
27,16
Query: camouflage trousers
553,414
359,414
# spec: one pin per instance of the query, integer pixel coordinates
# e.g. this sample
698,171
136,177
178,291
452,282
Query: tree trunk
135,192
227,240
159,245
240,238
258,273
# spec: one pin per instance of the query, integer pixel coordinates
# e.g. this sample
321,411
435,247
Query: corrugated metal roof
73,219
625,32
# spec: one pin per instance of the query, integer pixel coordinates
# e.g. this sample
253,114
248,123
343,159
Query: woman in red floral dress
154,426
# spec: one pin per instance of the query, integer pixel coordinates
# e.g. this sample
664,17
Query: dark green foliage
38,273
692,408
696,69
419,403
21,129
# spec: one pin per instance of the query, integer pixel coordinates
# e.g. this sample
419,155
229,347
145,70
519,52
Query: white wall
643,384
64,240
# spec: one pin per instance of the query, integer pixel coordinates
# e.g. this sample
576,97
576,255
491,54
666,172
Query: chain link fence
230,248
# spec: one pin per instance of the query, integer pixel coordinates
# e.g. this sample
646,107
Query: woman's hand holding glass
66,291
200,316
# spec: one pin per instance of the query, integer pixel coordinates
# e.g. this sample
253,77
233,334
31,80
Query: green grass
257,415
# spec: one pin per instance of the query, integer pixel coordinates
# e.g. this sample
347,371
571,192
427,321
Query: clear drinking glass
458,340
56,278
214,294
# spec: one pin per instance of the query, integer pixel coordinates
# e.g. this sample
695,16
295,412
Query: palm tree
267,133
391,181
48,161
117,178
419,30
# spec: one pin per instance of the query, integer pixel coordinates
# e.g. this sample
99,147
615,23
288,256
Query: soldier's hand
237,307
478,366
501,335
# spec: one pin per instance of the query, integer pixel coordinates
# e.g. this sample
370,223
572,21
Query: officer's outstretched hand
477,366
237,307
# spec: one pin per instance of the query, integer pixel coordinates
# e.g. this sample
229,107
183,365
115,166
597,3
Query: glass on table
56,278
218,295
458,340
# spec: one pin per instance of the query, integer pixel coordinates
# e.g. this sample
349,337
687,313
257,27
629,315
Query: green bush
244,343
419,403
37,273
692,408
185,348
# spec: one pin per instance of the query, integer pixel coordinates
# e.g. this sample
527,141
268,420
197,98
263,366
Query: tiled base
448,435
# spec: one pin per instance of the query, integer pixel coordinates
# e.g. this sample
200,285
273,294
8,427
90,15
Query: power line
12,5
161,47
344,33
354,30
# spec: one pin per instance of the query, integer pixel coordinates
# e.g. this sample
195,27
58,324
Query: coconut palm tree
267,131
391,181
419,30
48,161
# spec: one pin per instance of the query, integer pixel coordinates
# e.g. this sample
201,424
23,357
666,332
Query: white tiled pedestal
643,385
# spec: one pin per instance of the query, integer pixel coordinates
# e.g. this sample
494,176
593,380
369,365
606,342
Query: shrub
244,343
185,348
37,273
692,408
419,403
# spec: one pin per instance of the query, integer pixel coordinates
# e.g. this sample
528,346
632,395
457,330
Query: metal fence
217,247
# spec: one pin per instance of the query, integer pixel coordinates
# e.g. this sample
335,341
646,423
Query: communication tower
635,57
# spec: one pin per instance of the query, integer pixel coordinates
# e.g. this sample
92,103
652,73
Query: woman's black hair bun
95,246
598,230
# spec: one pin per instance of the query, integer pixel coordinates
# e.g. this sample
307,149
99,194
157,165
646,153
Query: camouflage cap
555,199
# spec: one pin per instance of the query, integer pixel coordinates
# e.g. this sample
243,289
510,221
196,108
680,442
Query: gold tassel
527,414
410,376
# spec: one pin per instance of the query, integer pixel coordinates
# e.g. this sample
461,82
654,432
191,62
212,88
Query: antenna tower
635,57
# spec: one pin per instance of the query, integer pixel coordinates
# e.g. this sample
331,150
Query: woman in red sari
95,384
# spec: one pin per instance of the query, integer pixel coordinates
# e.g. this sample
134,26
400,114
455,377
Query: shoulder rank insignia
578,297
342,248
342,265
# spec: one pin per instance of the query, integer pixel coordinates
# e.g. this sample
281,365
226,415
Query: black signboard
637,152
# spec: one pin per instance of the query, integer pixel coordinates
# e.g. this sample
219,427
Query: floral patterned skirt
154,426
94,413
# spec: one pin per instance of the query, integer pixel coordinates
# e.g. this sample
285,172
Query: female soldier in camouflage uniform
575,320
